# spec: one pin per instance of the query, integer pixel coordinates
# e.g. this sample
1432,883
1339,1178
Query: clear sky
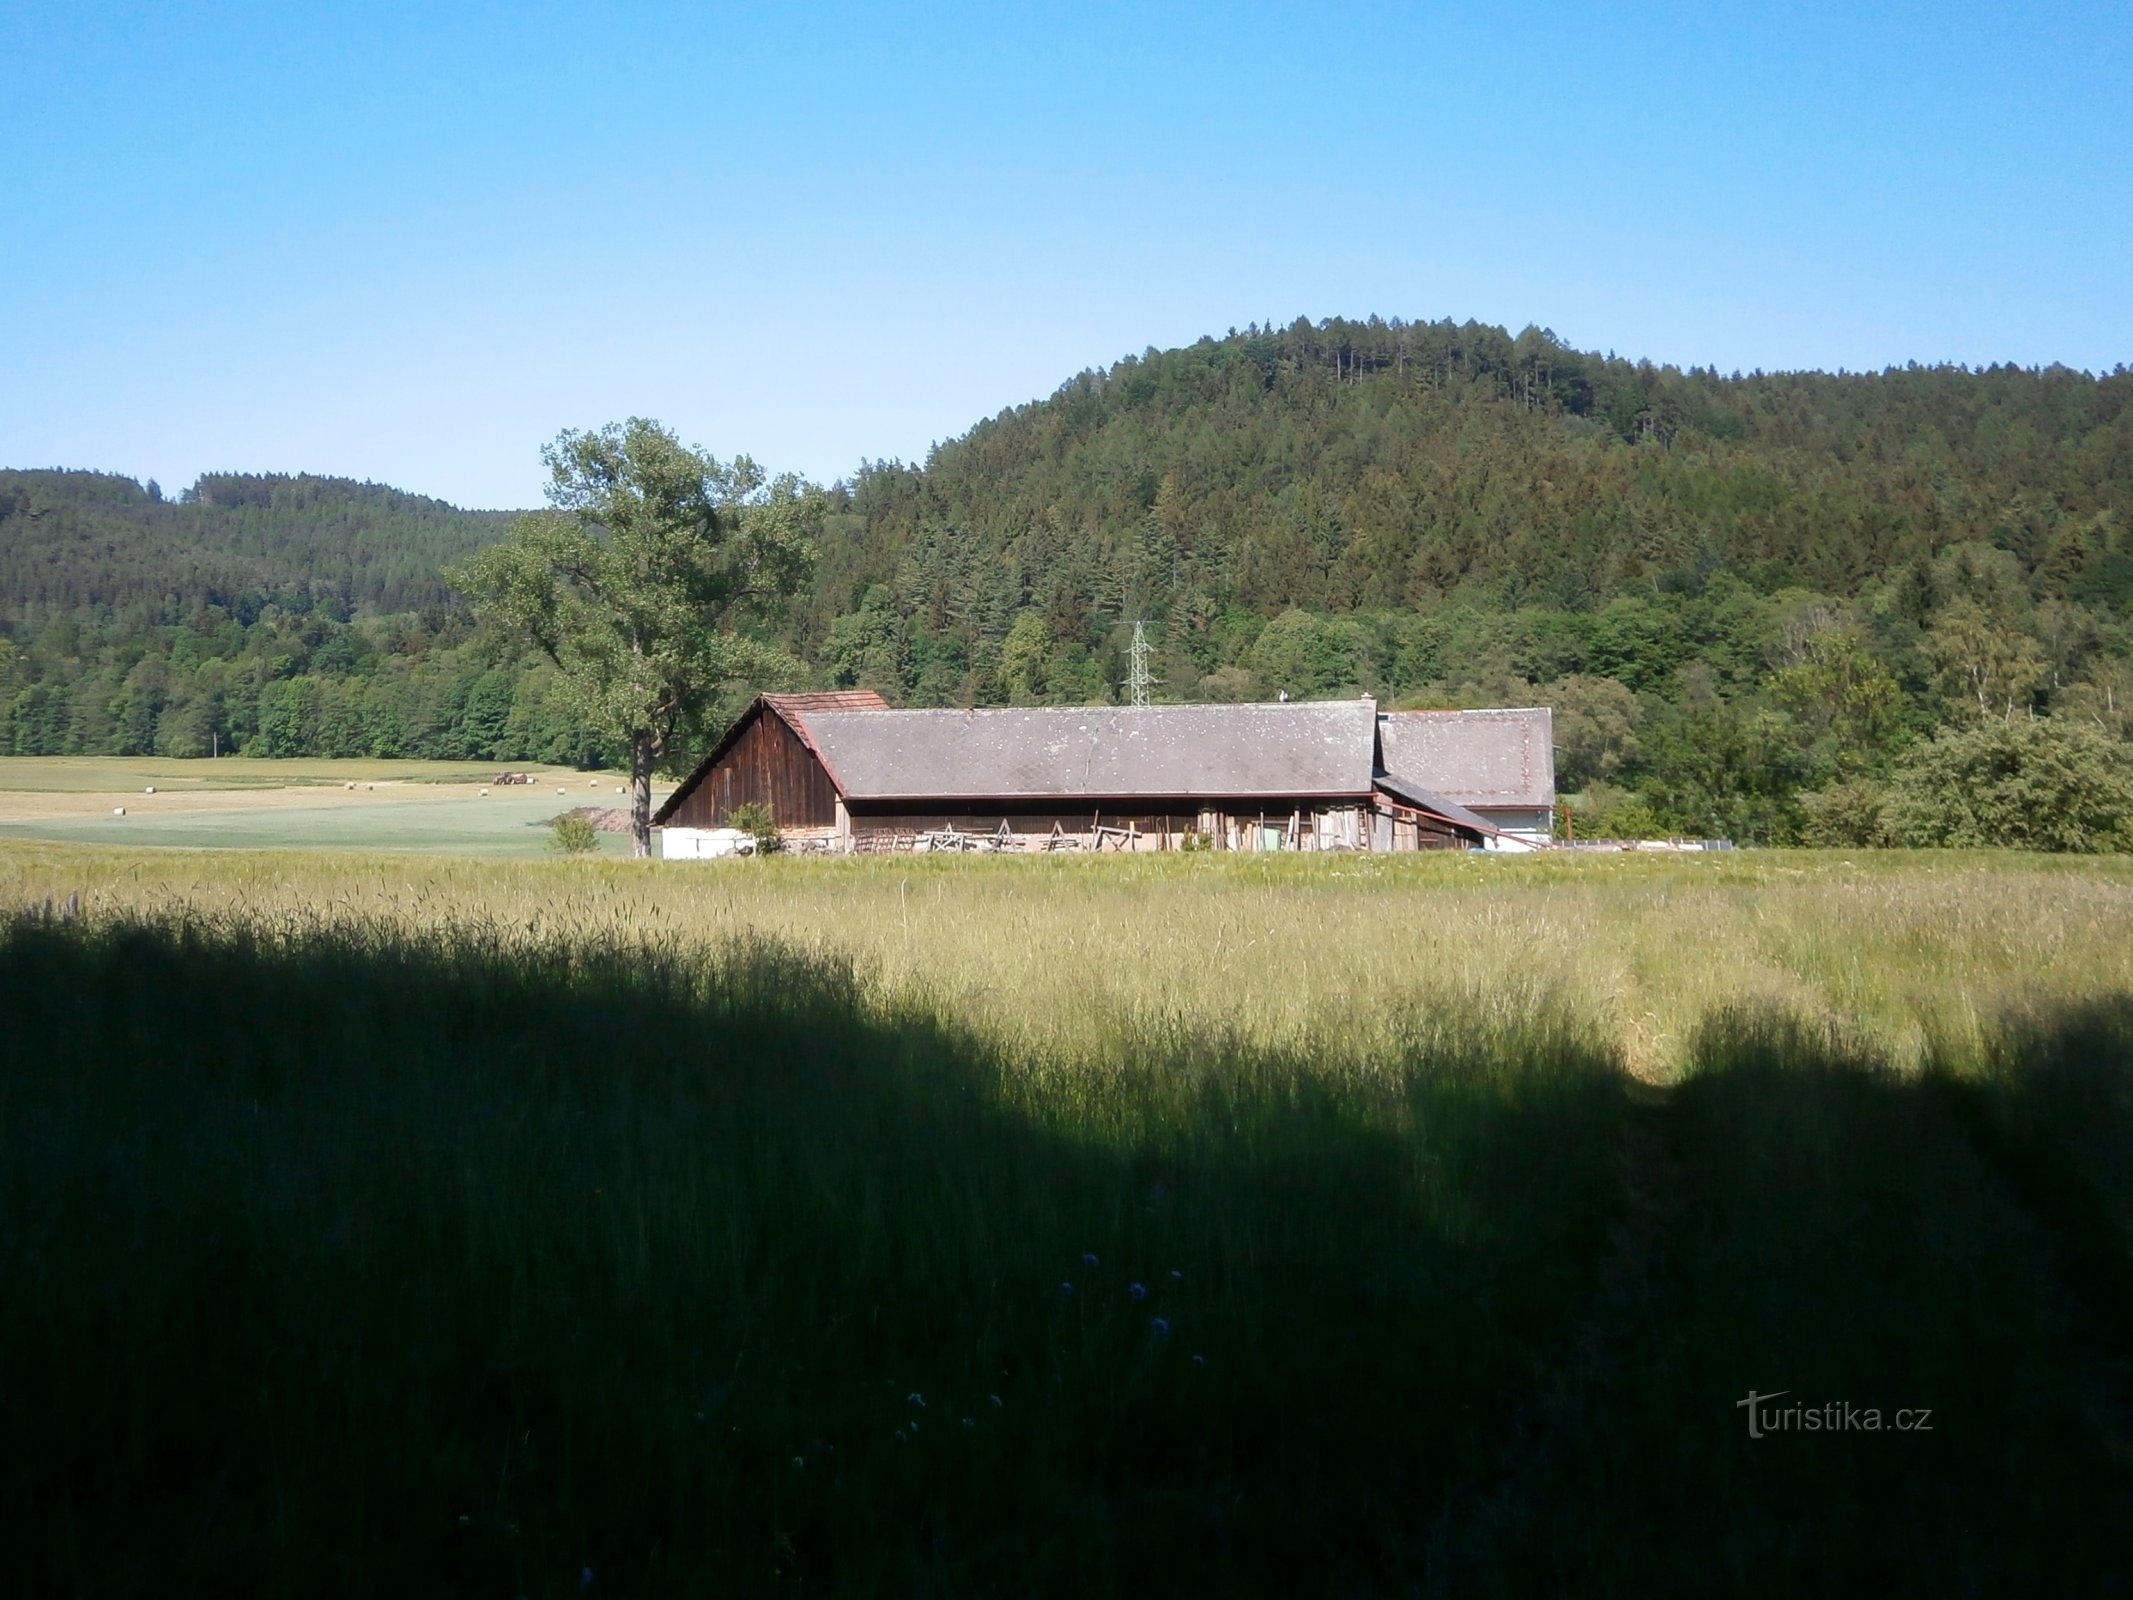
410,242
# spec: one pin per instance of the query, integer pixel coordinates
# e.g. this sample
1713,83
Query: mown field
392,1224
428,807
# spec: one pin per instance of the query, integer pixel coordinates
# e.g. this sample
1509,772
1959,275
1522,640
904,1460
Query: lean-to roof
1473,758
1436,805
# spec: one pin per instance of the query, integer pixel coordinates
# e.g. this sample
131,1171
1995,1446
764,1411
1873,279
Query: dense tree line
277,615
1757,602
1744,594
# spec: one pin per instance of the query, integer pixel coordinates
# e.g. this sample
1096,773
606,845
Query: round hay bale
118,811
151,789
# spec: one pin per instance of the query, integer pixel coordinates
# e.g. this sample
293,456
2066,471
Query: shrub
1604,811
574,834
2035,783
757,819
1846,815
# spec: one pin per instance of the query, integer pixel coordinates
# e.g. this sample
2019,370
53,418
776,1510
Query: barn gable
766,758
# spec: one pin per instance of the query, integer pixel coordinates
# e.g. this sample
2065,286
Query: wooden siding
769,765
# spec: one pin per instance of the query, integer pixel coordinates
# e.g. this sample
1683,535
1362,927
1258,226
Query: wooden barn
843,772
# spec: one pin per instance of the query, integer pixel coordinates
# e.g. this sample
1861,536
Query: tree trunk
641,796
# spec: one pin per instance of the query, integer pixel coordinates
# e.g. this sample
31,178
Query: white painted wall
703,844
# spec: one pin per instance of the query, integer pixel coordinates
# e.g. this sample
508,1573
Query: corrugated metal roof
1114,752
1474,758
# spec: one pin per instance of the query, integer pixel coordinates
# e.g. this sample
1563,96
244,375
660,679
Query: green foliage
1604,811
1311,658
1844,701
2031,783
572,834
1984,668
760,823
1595,729
637,583
72,540
1360,468
1719,771
1849,815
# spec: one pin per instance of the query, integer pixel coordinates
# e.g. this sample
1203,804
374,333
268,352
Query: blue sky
411,242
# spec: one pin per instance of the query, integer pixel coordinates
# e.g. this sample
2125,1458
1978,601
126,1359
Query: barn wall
1400,828
769,765
1304,826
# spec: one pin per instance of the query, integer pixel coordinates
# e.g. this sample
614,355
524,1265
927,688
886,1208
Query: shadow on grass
348,1262
1858,1244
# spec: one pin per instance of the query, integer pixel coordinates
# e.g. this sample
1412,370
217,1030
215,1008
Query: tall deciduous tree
639,581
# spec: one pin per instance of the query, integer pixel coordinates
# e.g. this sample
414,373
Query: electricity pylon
1139,682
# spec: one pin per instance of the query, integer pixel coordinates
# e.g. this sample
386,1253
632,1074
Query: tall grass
1063,1227
1916,953
1828,1231
368,1262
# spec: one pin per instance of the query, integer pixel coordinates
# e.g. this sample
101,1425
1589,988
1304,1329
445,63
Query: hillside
1346,468
1751,599
240,541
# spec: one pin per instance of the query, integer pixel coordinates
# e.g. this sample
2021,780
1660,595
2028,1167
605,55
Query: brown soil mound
605,819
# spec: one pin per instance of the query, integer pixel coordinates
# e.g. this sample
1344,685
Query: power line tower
1139,682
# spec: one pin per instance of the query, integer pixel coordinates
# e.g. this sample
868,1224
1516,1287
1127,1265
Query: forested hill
1359,467
1753,601
71,540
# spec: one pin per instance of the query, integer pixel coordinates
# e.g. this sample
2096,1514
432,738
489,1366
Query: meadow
429,807
396,1223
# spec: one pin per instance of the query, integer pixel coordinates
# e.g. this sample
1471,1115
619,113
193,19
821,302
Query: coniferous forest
1768,606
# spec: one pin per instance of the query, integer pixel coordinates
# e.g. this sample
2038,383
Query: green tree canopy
638,584
2036,783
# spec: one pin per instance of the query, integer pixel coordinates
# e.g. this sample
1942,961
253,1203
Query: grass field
388,1223
429,807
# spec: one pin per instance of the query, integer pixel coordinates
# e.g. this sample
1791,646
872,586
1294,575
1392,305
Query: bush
1604,811
1846,815
757,819
2033,783
573,834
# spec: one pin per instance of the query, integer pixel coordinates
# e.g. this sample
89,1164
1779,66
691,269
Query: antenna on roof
1138,683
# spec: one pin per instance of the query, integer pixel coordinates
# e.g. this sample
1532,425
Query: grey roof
1120,752
1473,758
1423,800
